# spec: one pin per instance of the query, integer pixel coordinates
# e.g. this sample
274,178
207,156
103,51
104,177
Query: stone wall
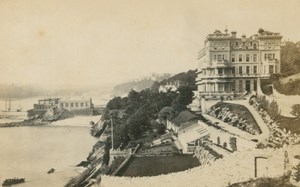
236,168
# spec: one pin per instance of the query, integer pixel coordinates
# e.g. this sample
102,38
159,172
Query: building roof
188,125
193,132
183,117
166,136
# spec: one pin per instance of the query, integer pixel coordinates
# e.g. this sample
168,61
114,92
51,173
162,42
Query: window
247,57
232,57
240,57
219,57
255,69
72,105
254,57
215,57
225,71
76,104
254,46
86,104
273,56
275,69
255,85
61,105
233,71
67,104
81,104
220,71
237,43
271,69
240,70
265,57
248,69
240,85
270,56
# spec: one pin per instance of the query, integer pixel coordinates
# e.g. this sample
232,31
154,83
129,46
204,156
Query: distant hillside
138,85
26,91
184,78
18,91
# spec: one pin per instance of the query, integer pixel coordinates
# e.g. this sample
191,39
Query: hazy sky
100,41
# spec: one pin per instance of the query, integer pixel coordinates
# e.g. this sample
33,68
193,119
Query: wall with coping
236,168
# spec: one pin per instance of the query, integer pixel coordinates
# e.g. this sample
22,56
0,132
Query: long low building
81,106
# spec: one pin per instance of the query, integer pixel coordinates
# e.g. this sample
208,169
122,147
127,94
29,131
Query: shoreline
24,123
95,162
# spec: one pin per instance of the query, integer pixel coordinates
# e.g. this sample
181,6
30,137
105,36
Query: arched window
254,46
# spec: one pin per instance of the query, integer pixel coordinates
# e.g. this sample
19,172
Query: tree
296,110
184,98
115,103
232,143
273,109
296,175
138,123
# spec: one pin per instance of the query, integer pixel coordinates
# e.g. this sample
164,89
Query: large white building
230,66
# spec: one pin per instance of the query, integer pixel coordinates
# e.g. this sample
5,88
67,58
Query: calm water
30,152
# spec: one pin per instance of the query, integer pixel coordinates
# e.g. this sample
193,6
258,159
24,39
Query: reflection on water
31,151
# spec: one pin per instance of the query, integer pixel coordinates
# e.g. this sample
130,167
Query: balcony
220,63
217,76
216,95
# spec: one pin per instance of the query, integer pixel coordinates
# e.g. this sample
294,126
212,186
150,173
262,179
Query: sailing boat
7,105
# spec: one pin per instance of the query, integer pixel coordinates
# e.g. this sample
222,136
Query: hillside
18,91
138,85
290,59
185,79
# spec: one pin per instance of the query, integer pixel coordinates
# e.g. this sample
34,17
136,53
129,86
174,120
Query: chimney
233,34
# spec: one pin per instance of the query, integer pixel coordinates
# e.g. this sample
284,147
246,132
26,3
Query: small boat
9,182
19,109
51,171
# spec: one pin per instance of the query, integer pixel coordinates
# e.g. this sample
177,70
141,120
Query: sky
64,42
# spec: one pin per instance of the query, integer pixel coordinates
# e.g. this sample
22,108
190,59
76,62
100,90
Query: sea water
29,152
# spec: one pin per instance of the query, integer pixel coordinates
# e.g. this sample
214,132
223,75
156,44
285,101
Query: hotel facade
230,66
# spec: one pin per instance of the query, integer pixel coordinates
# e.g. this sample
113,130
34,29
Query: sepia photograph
145,93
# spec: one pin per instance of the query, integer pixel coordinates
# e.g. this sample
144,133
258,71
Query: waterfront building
230,66
74,104
80,106
45,104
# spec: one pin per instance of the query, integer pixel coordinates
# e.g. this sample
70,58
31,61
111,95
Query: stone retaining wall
236,168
